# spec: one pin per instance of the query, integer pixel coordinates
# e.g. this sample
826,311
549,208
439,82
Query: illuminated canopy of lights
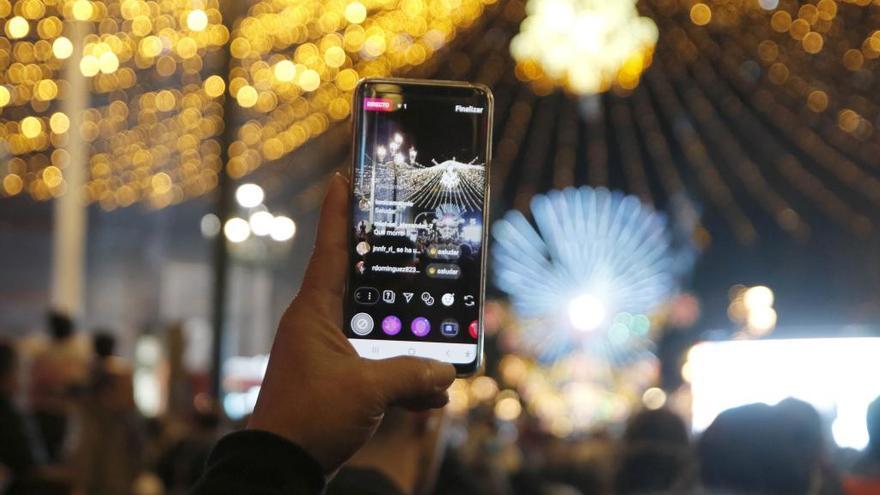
449,182
586,273
297,64
586,46
157,79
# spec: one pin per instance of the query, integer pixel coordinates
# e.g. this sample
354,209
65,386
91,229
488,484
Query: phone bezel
461,369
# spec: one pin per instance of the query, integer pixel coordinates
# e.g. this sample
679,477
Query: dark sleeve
361,481
259,463
15,446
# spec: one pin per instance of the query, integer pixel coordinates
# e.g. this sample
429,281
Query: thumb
411,382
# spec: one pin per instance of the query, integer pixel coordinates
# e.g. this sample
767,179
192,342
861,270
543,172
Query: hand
318,392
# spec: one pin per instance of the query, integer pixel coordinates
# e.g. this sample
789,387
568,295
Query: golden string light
144,144
157,81
30,85
298,65
809,48
809,70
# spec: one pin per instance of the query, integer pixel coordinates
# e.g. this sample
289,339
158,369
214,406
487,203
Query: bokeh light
197,20
157,74
283,229
261,223
586,47
237,230
249,195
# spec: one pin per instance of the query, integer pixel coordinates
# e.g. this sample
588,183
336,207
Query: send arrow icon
408,296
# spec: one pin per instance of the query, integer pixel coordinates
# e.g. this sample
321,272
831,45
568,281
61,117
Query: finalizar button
443,270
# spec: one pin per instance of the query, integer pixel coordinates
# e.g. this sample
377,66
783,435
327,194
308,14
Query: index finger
329,262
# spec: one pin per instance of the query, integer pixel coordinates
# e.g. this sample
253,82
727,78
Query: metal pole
231,10
70,213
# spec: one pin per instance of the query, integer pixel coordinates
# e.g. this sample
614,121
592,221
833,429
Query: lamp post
70,214
381,152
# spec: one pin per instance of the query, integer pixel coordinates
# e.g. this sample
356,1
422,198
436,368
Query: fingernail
338,175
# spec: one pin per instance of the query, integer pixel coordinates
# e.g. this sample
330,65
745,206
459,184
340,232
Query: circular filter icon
420,326
391,325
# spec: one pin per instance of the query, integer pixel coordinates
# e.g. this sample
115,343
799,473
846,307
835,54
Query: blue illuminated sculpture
586,272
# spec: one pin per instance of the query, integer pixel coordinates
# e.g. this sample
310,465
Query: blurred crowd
69,425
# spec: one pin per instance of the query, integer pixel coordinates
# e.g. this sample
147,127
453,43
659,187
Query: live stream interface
419,186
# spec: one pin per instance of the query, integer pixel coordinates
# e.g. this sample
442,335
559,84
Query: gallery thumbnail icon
362,324
449,328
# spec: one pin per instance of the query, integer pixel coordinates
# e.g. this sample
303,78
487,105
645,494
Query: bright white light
147,389
283,228
472,232
654,398
585,241
761,320
261,223
586,312
837,376
768,4
237,230
197,20
249,195
246,373
585,45
758,297
210,225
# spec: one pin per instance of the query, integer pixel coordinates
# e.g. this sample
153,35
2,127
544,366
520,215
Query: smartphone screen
419,196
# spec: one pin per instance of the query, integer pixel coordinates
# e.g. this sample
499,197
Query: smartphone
419,190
